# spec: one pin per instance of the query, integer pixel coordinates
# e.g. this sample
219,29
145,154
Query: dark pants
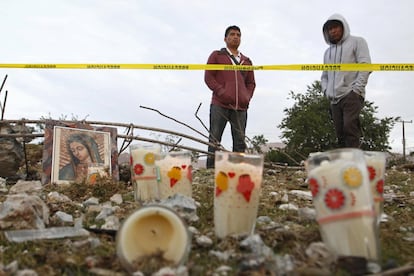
345,115
218,120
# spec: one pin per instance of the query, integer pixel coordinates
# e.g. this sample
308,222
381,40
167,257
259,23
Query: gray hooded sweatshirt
350,49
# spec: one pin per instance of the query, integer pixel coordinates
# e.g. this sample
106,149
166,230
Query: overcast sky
274,32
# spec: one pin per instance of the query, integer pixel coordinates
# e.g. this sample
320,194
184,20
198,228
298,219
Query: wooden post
403,133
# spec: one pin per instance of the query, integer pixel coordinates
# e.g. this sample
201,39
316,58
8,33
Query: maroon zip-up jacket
231,89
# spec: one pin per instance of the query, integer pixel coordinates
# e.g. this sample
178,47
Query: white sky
186,32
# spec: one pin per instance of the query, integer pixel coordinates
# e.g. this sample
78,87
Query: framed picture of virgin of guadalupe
78,151
97,147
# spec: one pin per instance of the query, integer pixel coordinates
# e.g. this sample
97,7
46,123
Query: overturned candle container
151,238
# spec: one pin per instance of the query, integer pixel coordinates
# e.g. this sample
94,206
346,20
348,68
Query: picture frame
60,164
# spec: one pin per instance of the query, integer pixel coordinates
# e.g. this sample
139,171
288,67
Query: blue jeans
219,117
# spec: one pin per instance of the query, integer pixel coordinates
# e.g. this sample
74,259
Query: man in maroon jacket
232,91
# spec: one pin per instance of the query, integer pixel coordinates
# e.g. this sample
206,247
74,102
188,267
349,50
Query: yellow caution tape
293,67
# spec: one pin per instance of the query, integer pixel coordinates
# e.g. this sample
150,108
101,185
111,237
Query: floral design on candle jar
245,186
238,178
138,169
222,183
380,186
352,177
149,158
174,173
337,194
313,186
339,183
143,171
334,199
371,172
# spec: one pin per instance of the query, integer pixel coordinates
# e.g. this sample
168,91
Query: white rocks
28,187
111,223
302,194
64,217
307,213
288,206
30,210
55,197
91,201
116,198
204,241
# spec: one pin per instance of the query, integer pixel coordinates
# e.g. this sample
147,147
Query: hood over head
336,18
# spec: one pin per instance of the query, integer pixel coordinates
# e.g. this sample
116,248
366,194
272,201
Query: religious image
75,150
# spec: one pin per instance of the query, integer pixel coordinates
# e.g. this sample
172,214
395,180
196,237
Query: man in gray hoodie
345,89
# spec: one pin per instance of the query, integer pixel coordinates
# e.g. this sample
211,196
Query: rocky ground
286,241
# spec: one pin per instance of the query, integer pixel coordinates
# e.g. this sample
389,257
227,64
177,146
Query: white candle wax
174,175
236,199
143,171
344,207
150,230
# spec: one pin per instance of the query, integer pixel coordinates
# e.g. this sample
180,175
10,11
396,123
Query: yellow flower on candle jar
352,177
222,183
149,158
175,175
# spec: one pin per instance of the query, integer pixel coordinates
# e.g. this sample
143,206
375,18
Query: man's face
233,39
335,32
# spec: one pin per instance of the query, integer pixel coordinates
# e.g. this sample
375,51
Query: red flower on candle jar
380,186
245,186
175,175
334,199
313,186
352,177
222,182
138,169
371,172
